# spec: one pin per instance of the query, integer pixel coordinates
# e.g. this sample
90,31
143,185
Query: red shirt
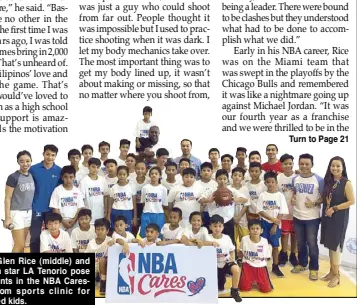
276,168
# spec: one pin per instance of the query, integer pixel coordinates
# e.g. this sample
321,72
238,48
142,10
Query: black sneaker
235,295
102,287
97,278
277,271
293,260
283,258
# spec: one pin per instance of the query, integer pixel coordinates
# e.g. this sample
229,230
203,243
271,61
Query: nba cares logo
154,274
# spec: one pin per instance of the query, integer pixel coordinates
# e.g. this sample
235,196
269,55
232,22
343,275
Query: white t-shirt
285,185
80,239
273,204
128,238
67,201
120,162
154,198
132,177
168,185
169,234
185,198
202,234
225,247
94,192
227,212
248,178
142,129
311,188
154,244
211,185
111,181
254,191
179,179
100,250
102,170
255,254
138,187
82,172
238,208
123,196
61,244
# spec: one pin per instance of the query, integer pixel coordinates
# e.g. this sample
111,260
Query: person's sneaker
102,287
293,260
298,269
314,275
235,295
283,258
223,291
277,271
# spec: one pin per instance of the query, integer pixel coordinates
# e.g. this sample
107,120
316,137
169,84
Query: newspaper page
224,82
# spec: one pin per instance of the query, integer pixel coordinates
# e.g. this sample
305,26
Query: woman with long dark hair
19,192
337,198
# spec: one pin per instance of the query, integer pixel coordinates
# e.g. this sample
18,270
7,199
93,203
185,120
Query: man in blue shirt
186,146
46,176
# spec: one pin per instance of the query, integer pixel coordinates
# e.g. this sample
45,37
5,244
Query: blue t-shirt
46,180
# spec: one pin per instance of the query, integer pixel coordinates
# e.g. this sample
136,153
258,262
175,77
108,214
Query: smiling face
271,152
305,166
25,163
336,168
186,148
87,154
49,157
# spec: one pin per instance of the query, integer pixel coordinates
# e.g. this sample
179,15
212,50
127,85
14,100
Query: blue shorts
146,218
128,214
272,239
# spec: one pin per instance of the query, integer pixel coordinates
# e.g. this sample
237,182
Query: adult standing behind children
338,197
46,176
19,192
273,164
308,197
186,147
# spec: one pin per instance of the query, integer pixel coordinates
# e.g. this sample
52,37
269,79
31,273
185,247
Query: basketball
223,196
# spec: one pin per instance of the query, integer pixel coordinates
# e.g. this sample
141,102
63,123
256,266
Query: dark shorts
222,272
272,239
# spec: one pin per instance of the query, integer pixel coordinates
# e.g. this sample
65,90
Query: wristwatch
335,208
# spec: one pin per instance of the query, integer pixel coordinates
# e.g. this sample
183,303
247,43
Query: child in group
206,183
139,182
151,236
255,251
120,235
172,231
241,155
213,156
54,239
82,235
87,153
74,157
271,206
66,199
111,168
99,246
104,150
183,164
255,187
273,164
226,212
171,172
226,162
130,163
124,147
122,199
240,218
154,198
162,155
195,234
254,156
285,184
225,256
143,126
185,196
95,191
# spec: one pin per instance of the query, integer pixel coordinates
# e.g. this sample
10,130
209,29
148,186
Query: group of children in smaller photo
98,203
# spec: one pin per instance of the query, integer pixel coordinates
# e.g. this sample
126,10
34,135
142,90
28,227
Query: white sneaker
223,291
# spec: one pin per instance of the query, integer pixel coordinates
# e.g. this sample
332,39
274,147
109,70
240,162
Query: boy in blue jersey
46,176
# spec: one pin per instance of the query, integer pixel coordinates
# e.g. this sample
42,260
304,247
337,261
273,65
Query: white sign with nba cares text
162,274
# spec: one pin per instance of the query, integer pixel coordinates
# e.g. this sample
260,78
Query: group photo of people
252,206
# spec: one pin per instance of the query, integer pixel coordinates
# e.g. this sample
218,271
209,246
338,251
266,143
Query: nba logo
126,272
